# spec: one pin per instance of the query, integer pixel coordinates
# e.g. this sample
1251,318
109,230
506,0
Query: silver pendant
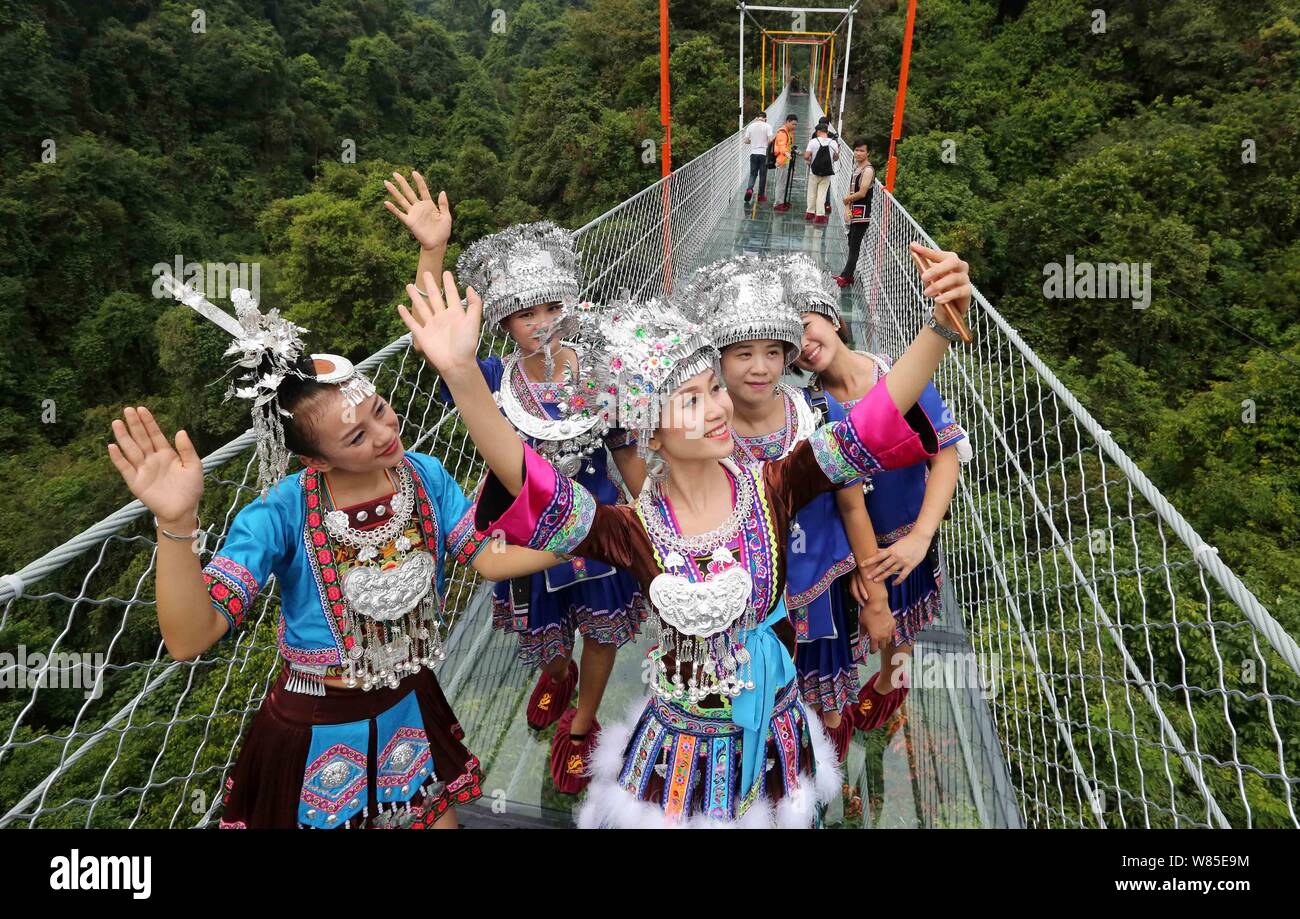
704,608
385,596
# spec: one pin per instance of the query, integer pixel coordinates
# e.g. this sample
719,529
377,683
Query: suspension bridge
1095,663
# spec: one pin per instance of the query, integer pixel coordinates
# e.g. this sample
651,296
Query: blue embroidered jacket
284,535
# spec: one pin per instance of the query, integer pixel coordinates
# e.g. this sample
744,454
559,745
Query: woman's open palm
168,480
442,329
429,220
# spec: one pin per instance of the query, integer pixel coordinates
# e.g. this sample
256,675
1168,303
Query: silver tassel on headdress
268,347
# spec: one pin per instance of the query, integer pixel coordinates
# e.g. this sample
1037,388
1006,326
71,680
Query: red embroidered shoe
762,198
873,709
843,281
550,698
570,756
840,736
781,207
808,215
820,220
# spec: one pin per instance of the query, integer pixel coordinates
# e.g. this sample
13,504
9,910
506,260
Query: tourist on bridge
830,133
857,208
759,329
783,146
528,277
757,137
821,155
724,739
905,505
355,731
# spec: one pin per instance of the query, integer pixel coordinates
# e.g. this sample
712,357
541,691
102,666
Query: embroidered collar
800,422
329,562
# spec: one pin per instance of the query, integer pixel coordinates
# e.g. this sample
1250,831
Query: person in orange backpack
783,145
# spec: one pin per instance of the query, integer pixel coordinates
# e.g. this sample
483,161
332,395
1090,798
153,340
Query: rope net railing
99,727
1135,680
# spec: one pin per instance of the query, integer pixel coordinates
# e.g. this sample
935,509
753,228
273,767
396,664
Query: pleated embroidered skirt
386,758
670,767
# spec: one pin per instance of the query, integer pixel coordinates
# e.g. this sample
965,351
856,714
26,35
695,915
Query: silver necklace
564,441
681,547
367,543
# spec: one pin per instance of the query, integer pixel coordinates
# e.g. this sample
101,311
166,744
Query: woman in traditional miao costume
355,732
754,307
905,506
724,739
528,275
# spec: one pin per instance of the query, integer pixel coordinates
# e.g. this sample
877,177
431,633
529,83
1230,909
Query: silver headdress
640,354
742,298
809,288
267,348
523,266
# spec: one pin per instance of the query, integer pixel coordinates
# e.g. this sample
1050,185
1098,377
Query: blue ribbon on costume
772,670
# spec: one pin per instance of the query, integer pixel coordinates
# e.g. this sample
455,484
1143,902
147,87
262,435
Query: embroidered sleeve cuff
551,513
465,540
232,588
950,434
875,436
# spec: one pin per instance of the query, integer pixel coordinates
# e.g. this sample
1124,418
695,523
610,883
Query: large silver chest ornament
701,623
395,614
396,621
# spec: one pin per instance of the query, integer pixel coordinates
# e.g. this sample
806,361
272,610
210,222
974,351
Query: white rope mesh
1138,682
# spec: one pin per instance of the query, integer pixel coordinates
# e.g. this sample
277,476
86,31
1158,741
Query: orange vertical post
901,100
830,72
665,91
762,72
665,119
821,73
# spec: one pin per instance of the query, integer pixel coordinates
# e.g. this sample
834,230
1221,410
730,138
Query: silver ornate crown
640,353
743,298
521,267
809,288
267,347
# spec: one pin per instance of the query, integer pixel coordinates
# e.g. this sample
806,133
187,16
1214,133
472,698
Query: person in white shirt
821,155
757,136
